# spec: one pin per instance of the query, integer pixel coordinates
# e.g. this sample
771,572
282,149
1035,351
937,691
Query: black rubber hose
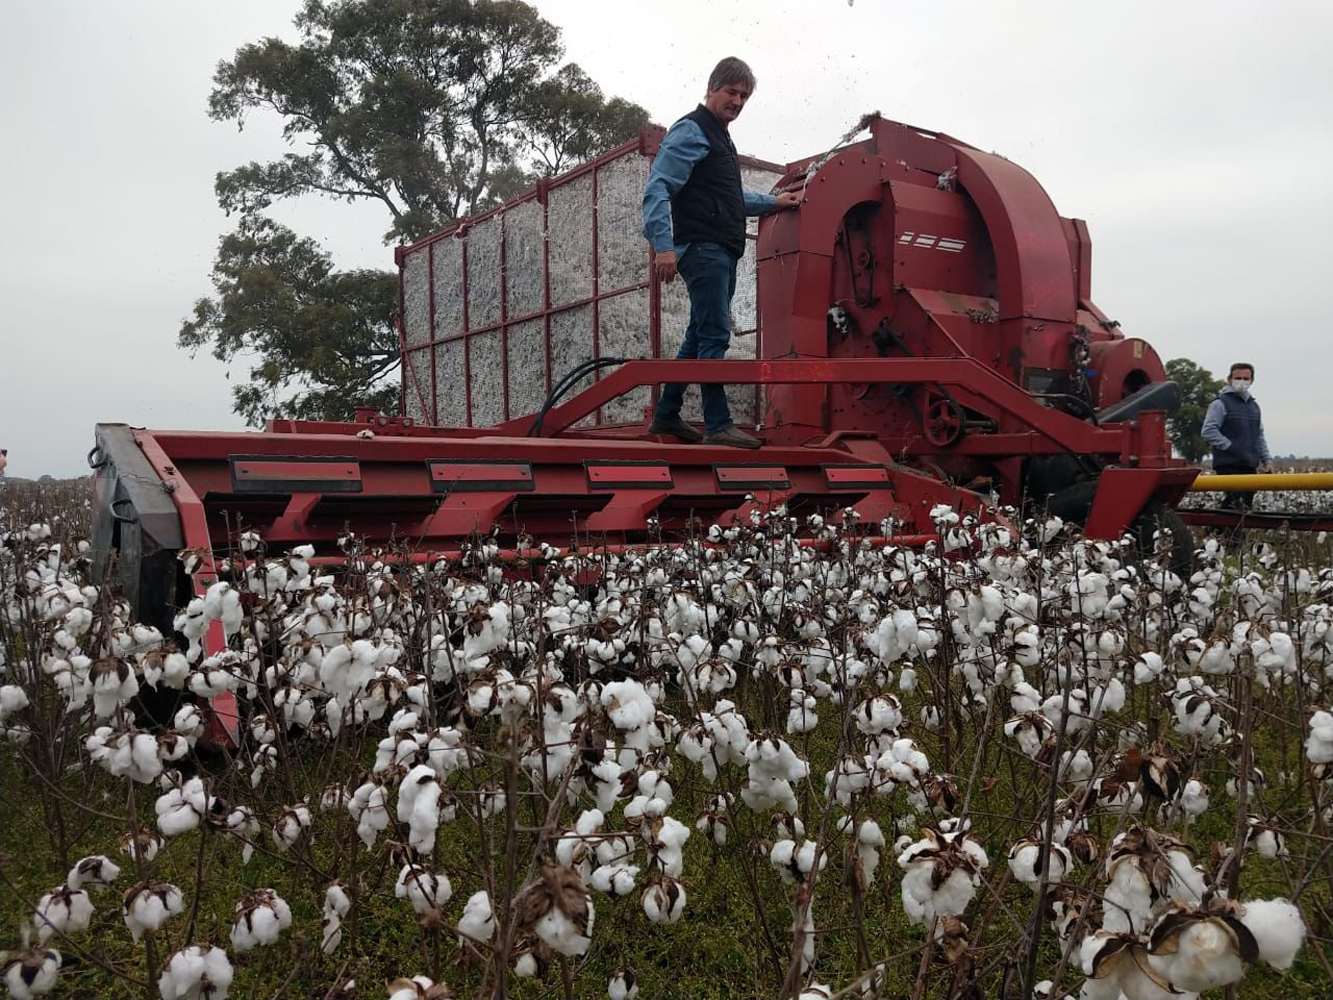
566,383
558,390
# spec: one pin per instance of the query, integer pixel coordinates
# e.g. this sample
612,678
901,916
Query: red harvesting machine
920,331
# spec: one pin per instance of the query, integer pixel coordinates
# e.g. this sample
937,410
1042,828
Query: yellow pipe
1265,481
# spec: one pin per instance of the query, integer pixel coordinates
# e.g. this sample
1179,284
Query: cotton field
772,760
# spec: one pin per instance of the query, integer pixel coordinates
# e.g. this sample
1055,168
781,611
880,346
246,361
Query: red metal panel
480,475
1123,493
270,474
605,475
853,477
752,477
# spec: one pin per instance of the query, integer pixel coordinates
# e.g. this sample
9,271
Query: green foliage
1198,387
432,108
322,340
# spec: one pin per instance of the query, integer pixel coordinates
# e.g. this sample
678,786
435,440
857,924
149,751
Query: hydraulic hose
567,382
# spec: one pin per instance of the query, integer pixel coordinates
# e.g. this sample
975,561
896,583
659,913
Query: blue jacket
1234,427
682,147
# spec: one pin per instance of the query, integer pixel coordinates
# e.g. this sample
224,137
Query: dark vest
710,208
1241,426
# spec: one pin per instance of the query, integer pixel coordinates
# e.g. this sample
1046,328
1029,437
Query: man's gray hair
729,71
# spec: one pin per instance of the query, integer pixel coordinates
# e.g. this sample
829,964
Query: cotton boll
1278,929
1319,744
1025,856
13,699
663,900
801,715
1030,731
1264,839
615,879
148,905
199,972
293,821
63,910
879,714
142,847
30,973
478,919
784,856
1025,699
97,870
1128,900
1195,952
419,807
424,889
941,873
416,988
114,684
623,985
259,918
566,926
1147,667
180,809
337,904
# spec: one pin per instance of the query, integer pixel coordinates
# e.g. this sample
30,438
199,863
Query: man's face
727,101
1241,378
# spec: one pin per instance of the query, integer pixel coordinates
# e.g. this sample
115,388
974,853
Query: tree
1198,388
324,339
432,108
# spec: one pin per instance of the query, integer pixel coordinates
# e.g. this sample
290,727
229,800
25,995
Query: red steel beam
1067,433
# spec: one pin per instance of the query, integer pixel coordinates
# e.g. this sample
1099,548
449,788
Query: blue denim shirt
682,147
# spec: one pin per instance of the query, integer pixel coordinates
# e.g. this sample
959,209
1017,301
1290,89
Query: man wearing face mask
1234,427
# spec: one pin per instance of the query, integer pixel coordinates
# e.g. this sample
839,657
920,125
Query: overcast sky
1196,139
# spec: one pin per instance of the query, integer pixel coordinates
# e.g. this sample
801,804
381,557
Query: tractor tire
1074,503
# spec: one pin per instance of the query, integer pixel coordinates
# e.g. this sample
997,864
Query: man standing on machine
694,211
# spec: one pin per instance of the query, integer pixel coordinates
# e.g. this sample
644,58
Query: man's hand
788,199
664,265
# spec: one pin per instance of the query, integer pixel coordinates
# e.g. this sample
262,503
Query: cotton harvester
920,331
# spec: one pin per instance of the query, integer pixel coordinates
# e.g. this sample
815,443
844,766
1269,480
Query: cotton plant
861,640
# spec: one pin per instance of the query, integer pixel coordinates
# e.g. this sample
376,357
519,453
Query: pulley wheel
944,423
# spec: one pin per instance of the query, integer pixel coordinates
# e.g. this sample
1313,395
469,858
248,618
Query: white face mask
1241,385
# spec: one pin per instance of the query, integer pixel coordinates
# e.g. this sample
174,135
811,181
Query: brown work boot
733,437
677,429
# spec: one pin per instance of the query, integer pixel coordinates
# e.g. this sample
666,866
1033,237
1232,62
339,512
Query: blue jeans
710,277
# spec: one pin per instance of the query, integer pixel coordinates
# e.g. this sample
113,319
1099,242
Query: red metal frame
644,145
224,719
